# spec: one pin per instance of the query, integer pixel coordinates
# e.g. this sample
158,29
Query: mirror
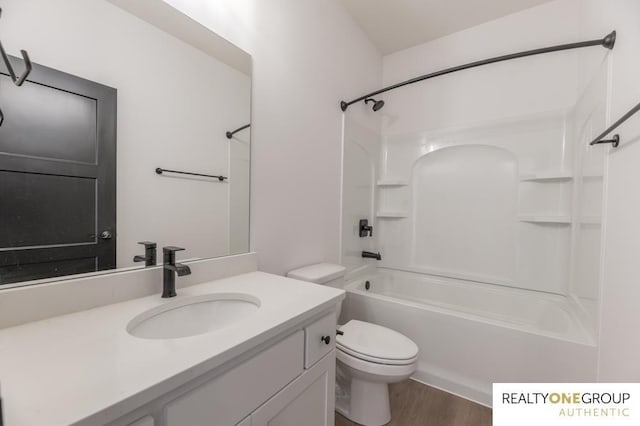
119,136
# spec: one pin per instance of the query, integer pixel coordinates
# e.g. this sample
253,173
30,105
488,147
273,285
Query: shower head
377,105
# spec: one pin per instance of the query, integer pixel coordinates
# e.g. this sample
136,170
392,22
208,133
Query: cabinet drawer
315,347
230,397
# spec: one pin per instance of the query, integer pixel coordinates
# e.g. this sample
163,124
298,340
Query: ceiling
394,25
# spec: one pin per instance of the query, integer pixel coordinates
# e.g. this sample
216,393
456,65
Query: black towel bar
615,141
160,171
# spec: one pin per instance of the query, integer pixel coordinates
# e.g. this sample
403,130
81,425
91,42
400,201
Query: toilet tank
320,273
324,274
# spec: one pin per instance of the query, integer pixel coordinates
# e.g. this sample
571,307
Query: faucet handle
149,257
171,249
169,254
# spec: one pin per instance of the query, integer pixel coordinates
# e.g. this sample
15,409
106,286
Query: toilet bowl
369,358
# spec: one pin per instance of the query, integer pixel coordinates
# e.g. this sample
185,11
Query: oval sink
191,316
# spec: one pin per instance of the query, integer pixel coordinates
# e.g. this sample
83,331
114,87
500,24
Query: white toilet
369,357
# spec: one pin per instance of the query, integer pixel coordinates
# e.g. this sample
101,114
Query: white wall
175,104
620,312
307,56
509,89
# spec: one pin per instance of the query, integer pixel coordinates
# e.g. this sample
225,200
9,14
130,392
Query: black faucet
369,255
169,270
149,257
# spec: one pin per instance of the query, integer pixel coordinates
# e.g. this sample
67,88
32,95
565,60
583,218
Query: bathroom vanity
272,365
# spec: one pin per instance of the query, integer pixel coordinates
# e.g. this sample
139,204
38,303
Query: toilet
369,357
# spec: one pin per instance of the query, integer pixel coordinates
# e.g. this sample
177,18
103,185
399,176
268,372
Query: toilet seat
376,360
377,373
376,344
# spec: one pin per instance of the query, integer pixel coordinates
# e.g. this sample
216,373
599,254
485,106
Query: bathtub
471,335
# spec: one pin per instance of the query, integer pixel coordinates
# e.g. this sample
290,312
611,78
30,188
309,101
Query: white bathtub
472,335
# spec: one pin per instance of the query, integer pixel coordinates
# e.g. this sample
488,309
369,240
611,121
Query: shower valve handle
366,230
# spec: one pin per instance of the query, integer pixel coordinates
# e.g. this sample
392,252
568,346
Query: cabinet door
230,397
309,400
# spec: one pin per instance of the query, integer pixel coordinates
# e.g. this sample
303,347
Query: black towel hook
18,81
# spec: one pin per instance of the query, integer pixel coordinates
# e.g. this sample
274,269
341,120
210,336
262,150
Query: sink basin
191,316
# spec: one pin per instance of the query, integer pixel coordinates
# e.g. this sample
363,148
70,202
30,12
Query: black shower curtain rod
608,42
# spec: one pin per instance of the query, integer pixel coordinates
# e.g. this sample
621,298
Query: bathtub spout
370,255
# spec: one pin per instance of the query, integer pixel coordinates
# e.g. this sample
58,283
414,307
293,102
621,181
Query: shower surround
486,202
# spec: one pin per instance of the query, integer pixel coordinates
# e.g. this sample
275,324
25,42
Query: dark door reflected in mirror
57,177
112,96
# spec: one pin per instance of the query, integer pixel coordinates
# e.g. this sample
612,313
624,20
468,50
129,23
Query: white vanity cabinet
289,383
228,398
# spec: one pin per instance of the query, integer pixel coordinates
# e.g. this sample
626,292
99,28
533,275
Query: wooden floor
415,404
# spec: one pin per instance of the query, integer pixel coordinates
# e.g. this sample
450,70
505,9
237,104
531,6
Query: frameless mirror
133,126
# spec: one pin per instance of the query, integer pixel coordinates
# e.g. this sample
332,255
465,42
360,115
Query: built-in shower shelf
564,220
392,214
547,176
392,182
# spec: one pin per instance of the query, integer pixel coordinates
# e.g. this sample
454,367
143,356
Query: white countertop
85,366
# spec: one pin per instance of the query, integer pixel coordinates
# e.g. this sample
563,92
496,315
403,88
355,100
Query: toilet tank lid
319,273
